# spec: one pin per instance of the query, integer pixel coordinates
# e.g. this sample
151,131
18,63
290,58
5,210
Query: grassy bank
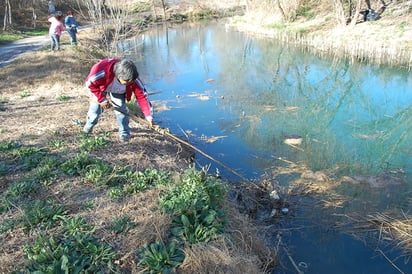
383,42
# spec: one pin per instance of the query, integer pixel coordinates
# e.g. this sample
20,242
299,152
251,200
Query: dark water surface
251,94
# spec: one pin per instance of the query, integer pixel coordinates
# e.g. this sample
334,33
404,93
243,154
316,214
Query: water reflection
349,115
354,120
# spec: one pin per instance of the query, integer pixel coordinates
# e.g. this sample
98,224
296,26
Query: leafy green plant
89,204
158,258
17,192
22,189
197,207
195,227
76,226
78,252
25,94
99,173
93,143
195,192
5,146
136,183
56,144
78,164
45,171
4,169
8,224
122,224
63,98
44,213
28,157
115,193
155,177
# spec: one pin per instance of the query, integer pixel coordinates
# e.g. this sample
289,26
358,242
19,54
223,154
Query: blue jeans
72,32
118,100
54,41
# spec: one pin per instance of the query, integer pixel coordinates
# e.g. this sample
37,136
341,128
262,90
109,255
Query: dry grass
385,231
385,41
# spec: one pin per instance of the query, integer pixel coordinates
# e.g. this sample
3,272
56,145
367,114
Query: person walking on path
118,79
71,27
52,8
55,30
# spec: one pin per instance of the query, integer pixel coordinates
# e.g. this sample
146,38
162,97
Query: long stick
165,132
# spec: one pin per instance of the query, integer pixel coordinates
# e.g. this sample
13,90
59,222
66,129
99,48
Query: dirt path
11,51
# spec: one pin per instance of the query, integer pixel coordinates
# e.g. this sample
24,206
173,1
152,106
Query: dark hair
69,12
126,70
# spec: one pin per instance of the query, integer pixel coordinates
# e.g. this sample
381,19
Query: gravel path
11,51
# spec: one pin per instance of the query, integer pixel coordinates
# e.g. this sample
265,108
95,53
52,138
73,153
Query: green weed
4,169
89,204
76,226
28,157
22,189
93,143
5,146
196,227
197,207
75,251
122,224
194,192
78,164
158,258
63,98
116,193
56,144
25,94
99,173
43,213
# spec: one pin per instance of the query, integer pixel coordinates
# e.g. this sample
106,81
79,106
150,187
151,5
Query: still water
238,98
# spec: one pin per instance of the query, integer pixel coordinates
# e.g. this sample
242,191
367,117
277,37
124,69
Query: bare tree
339,12
111,18
7,15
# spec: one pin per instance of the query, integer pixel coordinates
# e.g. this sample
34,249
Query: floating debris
210,139
285,210
374,181
294,140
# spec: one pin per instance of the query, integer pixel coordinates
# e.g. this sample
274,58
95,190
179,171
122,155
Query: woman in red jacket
118,79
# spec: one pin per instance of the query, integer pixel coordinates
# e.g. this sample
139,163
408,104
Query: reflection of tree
271,91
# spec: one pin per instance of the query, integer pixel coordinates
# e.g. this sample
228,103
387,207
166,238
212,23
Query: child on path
55,30
118,79
71,27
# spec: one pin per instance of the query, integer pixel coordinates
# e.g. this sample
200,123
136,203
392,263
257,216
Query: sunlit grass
7,37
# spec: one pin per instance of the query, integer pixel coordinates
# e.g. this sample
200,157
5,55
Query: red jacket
100,77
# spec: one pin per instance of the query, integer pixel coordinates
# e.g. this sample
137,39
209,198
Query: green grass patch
75,250
63,98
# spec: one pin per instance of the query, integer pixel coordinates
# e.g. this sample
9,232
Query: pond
257,105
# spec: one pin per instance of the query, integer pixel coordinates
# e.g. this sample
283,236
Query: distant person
71,27
52,8
118,80
55,30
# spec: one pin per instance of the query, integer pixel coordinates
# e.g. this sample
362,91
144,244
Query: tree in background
7,15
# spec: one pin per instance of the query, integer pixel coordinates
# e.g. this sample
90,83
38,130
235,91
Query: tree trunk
354,19
7,14
339,12
34,14
164,9
281,10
